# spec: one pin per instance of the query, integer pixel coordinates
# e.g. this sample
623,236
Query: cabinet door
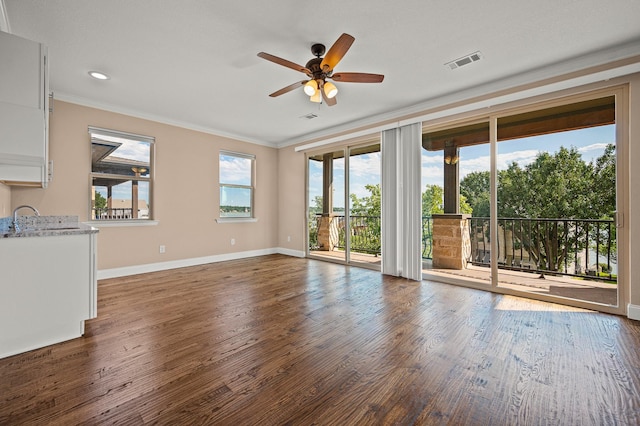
23,110
20,74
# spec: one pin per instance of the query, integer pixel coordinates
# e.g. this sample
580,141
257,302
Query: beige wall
185,194
291,203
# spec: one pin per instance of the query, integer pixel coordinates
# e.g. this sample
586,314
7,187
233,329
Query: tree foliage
475,188
100,201
557,185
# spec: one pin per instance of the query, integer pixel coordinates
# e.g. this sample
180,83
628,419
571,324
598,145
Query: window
121,175
236,185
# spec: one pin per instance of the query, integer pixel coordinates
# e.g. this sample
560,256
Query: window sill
236,219
123,223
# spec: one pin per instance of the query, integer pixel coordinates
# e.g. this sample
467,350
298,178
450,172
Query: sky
590,142
235,171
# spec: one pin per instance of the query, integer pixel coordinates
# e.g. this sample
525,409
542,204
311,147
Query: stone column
327,235
451,241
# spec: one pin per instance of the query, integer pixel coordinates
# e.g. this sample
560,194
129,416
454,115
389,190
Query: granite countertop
44,226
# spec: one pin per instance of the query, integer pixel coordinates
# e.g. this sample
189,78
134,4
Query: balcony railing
110,214
576,247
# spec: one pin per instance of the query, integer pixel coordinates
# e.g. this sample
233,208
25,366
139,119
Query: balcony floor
561,286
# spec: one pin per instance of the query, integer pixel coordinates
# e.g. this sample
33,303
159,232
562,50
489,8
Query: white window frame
97,131
251,188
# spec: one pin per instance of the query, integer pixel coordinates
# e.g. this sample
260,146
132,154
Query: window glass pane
235,202
114,199
120,156
121,175
235,170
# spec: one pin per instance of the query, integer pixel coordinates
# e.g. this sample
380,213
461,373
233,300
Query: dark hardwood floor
280,340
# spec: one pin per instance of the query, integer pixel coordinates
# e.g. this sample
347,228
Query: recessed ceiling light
98,75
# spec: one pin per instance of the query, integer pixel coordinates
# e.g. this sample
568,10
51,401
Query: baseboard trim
633,312
289,252
173,264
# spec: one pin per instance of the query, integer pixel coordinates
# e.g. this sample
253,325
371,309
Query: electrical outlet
233,241
162,249
289,238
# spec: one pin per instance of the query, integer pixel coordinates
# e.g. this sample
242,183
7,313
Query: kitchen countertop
44,226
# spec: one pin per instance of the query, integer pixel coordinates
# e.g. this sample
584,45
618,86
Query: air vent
465,60
309,116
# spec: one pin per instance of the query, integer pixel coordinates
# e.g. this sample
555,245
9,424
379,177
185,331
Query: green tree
365,226
100,201
604,170
475,188
560,186
367,206
433,201
556,185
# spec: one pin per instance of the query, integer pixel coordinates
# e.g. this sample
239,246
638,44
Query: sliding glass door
556,201
344,205
456,227
528,201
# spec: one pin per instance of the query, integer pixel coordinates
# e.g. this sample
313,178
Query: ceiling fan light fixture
330,89
317,98
311,88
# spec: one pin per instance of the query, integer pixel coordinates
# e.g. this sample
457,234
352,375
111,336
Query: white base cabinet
48,288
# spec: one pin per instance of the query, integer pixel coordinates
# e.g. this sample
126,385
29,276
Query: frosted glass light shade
311,87
330,89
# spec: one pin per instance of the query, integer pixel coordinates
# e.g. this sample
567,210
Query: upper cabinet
24,111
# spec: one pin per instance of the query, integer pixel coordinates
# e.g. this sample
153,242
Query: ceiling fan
320,69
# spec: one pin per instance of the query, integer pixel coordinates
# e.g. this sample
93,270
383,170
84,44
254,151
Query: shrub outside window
236,185
121,175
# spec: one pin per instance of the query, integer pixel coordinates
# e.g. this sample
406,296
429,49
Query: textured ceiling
194,64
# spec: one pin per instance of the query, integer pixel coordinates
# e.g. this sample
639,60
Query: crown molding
64,97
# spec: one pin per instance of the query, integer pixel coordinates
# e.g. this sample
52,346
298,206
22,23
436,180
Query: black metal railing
575,247
364,231
365,234
578,247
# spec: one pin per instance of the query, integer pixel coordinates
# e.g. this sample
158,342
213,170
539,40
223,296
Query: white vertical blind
389,202
401,202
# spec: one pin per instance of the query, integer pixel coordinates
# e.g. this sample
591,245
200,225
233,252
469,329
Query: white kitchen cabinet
48,288
24,111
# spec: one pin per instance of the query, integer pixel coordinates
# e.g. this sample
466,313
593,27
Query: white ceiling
194,64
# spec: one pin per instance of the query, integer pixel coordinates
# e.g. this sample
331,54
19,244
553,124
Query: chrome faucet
16,228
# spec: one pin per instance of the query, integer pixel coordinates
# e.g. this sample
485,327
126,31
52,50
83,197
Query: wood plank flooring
276,340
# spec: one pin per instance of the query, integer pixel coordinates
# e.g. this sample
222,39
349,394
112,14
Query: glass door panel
362,236
326,201
557,201
455,203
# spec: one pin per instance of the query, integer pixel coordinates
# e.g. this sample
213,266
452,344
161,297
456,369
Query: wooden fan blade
357,77
289,88
336,52
284,63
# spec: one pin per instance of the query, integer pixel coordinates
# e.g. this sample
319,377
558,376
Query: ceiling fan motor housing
314,66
